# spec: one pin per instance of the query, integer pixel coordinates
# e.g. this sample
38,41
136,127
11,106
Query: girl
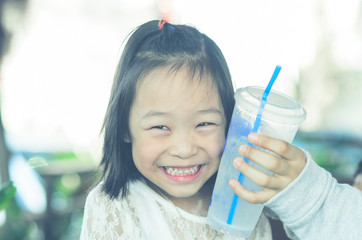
164,134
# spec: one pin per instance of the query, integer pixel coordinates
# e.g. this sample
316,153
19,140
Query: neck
197,204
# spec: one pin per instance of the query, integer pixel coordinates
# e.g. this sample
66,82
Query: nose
183,146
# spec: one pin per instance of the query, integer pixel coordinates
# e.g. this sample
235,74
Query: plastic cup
280,119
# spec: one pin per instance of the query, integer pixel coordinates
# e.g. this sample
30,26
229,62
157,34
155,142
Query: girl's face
177,127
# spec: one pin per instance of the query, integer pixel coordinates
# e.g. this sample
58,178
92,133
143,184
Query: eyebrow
202,111
153,114
210,110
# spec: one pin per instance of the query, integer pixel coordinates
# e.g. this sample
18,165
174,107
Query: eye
204,124
160,127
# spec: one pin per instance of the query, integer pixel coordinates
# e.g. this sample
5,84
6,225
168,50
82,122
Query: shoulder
98,203
97,192
98,196
107,218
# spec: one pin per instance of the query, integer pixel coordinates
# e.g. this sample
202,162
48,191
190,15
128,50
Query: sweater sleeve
316,206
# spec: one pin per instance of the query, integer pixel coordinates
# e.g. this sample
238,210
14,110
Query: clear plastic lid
278,108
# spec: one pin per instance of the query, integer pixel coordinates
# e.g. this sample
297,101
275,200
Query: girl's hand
285,168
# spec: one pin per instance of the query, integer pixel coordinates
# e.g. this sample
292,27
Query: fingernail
242,149
237,162
232,184
253,137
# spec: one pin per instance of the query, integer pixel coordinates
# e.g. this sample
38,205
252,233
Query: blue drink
281,118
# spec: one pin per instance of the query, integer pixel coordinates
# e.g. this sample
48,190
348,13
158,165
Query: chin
178,194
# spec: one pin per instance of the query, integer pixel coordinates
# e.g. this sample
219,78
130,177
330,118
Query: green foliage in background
7,192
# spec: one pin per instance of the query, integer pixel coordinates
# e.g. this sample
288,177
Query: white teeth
177,172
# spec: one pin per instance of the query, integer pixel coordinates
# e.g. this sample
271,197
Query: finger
280,147
258,177
252,197
267,160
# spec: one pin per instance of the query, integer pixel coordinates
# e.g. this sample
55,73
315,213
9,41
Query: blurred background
58,60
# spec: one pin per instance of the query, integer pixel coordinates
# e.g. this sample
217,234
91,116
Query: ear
127,139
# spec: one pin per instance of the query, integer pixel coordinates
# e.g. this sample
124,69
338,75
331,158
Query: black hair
148,48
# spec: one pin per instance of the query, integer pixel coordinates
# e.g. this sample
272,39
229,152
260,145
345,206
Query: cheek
221,147
146,152
216,146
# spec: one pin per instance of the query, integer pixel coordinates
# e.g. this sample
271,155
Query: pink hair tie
161,23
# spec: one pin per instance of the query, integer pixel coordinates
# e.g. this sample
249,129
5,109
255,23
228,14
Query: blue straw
264,97
255,129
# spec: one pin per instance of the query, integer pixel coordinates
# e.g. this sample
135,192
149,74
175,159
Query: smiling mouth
182,171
